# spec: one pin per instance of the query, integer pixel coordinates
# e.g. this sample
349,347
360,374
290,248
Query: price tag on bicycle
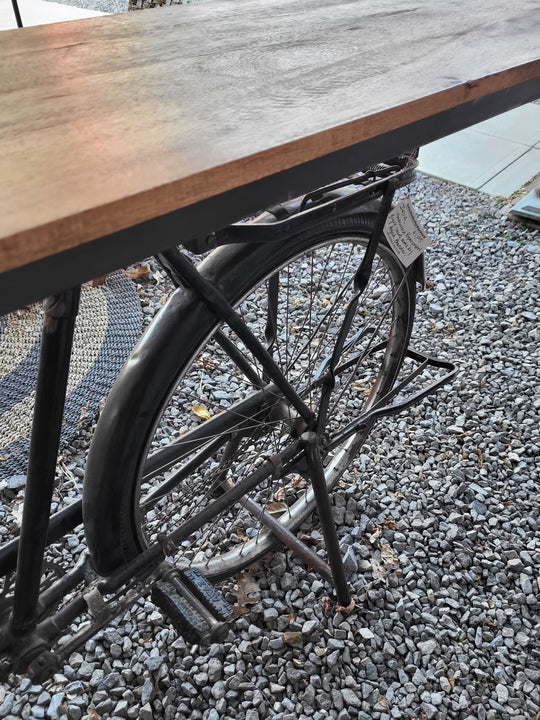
404,232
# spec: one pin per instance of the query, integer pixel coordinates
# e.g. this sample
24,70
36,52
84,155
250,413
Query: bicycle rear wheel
292,294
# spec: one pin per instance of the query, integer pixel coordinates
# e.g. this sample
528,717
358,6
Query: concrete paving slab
521,125
40,12
483,156
469,158
528,207
513,177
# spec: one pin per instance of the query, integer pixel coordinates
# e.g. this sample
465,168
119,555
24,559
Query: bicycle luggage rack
305,211
383,408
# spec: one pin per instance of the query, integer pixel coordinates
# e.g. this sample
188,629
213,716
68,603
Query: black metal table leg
316,471
56,342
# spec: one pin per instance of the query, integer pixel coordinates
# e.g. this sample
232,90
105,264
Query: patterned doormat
108,326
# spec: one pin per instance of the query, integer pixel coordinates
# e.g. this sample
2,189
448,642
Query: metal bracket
97,607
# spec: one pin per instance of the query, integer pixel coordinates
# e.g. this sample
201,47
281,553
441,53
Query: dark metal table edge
35,281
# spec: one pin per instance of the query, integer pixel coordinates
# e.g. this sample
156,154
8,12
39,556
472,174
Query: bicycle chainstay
195,607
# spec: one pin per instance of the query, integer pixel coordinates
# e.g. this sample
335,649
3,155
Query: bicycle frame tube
361,280
179,265
211,297
60,524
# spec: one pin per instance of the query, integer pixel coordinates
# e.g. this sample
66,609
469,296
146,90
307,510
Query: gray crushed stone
105,6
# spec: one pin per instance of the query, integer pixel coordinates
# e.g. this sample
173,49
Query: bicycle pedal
189,623
207,594
196,609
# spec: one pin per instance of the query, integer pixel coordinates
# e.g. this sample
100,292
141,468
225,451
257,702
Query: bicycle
304,315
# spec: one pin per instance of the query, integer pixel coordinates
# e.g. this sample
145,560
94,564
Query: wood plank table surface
120,135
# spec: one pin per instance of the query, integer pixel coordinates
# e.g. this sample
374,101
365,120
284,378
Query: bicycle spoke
297,312
237,418
165,488
370,342
325,322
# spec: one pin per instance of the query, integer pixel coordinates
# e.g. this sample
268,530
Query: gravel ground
450,493
106,6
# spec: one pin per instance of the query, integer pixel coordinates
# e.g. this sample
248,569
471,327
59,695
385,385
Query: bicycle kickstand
322,498
311,439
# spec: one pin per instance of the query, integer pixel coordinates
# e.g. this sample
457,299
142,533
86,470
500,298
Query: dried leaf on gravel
378,570
375,535
480,457
239,610
327,604
307,539
276,508
294,639
93,714
201,547
389,556
246,590
98,281
297,482
141,271
206,362
201,411
346,609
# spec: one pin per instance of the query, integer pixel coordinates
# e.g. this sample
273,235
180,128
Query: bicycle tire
112,487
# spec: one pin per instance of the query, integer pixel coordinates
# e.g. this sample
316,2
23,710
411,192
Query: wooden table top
112,121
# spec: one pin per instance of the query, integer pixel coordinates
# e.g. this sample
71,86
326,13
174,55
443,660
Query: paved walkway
497,156
39,12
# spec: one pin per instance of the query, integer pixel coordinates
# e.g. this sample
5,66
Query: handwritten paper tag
404,233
